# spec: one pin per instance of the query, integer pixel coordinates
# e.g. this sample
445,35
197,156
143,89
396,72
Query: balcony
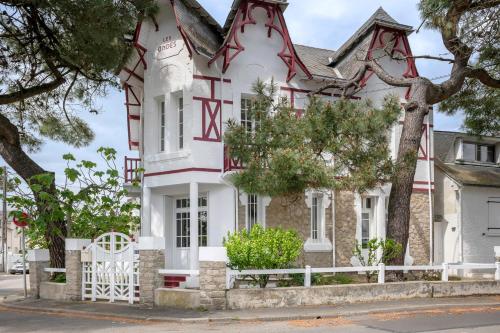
231,164
132,176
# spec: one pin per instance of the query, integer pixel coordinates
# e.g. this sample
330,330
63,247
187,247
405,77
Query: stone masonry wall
149,279
213,285
419,229
74,275
37,276
293,213
345,228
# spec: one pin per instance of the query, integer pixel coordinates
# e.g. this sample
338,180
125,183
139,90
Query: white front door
182,229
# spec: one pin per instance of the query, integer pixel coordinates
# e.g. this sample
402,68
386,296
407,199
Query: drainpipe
334,201
429,174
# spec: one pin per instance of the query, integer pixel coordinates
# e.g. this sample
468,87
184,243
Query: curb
144,319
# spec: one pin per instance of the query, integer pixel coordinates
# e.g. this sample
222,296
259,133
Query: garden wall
341,294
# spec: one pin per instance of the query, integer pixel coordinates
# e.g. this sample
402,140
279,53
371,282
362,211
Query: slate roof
380,17
464,174
472,175
202,29
316,60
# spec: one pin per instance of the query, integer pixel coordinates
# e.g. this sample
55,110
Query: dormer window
482,153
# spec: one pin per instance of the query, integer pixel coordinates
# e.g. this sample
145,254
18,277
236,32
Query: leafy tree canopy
476,32
285,153
92,201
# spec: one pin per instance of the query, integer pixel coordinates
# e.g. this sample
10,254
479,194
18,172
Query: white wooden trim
55,270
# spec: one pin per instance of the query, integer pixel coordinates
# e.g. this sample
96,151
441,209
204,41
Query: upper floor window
180,112
474,152
248,119
163,125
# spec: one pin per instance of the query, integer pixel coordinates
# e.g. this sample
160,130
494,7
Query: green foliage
262,249
478,33
287,154
59,278
78,44
389,249
91,202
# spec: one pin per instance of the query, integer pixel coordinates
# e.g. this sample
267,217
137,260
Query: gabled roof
381,18
236,5
200,27
316,60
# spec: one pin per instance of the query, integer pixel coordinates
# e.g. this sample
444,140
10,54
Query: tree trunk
402,181
12,152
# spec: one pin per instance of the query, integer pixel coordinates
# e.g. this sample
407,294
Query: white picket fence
380,269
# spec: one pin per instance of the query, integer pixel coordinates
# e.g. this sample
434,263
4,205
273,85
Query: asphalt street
458,318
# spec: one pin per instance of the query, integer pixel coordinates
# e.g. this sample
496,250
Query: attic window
483,153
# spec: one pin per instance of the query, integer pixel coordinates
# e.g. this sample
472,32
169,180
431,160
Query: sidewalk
136,312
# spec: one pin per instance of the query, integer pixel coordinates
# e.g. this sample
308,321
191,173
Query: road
482,317
478,319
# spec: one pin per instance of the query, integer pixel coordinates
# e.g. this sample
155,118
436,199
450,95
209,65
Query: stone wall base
54,291
177,298
334,295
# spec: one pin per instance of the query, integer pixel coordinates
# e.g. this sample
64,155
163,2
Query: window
479,152
366,221
252,211
494,215
248,119
316,210
180,109
163,125
182,217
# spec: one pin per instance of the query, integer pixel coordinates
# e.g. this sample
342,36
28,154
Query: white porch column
146,212
381,218
193,225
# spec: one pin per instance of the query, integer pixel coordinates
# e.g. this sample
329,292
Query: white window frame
186,212
180,123
321,243
248,122
162,121
478,152
262,203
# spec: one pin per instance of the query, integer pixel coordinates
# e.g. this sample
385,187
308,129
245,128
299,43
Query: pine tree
56,56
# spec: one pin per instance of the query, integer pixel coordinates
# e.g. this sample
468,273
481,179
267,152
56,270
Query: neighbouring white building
188,76
467,198
13,242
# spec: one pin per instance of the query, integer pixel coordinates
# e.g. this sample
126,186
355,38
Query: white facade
467,201
178,106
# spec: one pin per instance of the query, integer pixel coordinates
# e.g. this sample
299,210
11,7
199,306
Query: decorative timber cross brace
211,111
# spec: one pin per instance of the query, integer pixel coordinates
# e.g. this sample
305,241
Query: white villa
189,75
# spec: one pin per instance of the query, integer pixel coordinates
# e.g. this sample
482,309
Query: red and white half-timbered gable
188,76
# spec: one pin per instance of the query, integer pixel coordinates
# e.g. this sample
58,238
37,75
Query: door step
174,281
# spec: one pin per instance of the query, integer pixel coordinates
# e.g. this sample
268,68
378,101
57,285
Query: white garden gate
111,269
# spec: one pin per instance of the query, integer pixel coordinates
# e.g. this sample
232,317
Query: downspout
429,174
334,201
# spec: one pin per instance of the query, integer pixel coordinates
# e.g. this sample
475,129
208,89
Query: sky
319,23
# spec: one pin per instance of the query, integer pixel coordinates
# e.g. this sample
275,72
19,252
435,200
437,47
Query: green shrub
272,248
390,249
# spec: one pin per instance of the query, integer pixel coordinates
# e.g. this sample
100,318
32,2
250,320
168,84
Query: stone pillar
38,260
74,248
151,259
213,267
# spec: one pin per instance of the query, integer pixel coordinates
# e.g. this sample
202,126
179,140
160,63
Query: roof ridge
313,47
